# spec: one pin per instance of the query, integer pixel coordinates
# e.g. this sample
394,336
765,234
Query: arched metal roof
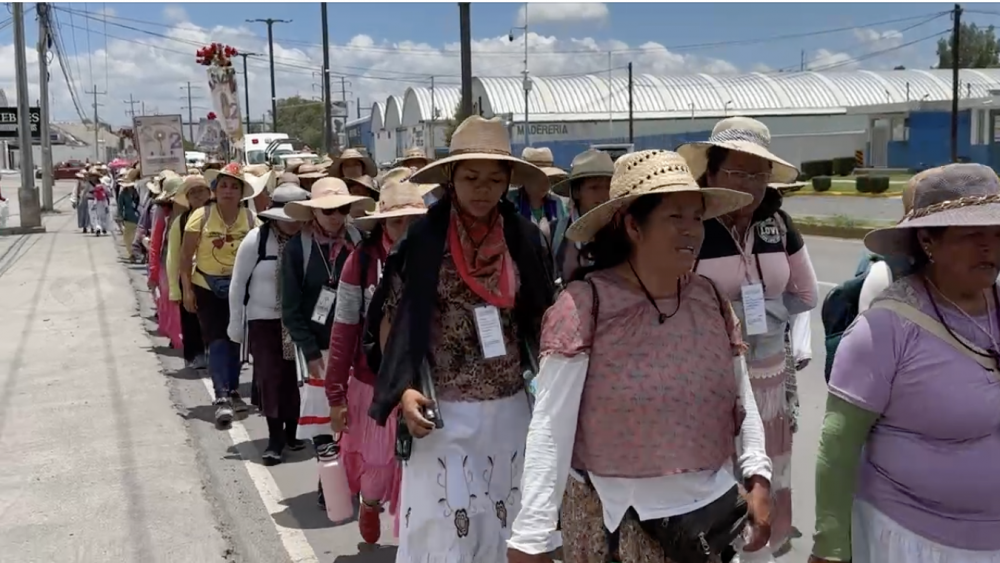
393,112
378,116
589,96
417,103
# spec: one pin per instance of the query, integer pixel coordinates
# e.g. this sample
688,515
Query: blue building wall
929,144
564,151
360,134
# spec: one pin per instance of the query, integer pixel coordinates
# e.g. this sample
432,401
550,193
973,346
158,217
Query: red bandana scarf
480,253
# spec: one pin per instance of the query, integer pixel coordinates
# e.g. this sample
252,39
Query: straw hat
789,187
308,171
652,172
741,134
292,165
364,181
954,195
259,184
257,169
170,187
414,157
232,170
542,158
337,169
129,178
326,193
189,183
591,163
288,178
481,139
282,195
404,174
399,198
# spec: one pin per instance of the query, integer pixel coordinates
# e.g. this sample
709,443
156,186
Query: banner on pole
225,99
210,135
160,143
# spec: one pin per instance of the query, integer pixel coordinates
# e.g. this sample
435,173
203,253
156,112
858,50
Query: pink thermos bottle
336,491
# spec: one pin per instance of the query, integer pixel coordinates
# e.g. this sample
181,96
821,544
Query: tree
302,119
900,67
454,122
978,48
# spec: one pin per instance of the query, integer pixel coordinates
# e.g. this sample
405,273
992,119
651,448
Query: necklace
992,352
662,316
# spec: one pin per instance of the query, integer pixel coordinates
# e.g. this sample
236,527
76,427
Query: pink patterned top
653,391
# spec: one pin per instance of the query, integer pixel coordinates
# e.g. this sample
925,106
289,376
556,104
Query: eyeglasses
343,210
741,176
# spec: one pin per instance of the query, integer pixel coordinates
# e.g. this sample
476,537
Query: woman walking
168,314
255,320
586,187
459,310
193,194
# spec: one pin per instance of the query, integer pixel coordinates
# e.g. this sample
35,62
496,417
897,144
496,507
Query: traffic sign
8,122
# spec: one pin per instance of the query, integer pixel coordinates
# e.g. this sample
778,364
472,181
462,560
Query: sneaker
239,405
369,522
272,456
294,444
223,411
200,362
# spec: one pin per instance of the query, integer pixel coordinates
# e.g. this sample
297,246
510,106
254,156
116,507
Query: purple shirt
932,460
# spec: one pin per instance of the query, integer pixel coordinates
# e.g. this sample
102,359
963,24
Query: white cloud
873,49
175,13
568,12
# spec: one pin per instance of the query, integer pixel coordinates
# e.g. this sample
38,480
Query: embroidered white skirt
461,485
876,538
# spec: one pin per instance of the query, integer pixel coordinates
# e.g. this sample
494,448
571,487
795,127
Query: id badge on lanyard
752,292
327,298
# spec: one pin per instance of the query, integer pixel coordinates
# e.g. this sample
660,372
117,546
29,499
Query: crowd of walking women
518,362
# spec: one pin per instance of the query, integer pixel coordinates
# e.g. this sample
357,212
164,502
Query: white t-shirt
879,278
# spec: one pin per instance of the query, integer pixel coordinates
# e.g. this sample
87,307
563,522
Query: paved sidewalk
97,465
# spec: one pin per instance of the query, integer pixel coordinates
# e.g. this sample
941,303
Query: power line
104,11
90,52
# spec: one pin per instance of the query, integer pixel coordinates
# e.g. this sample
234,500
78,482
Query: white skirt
461,485
876,538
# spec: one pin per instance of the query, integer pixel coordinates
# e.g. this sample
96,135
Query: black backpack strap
262,235
363,261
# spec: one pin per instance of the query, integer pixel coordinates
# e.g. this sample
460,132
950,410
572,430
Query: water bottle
333,477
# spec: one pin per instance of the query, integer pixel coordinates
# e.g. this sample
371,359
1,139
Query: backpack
840,308
262,235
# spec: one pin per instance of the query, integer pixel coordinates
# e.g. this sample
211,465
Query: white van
251,149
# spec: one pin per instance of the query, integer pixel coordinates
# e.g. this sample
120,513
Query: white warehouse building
807,112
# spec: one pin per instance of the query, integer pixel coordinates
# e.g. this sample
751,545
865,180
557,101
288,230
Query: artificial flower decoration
211,116
216,54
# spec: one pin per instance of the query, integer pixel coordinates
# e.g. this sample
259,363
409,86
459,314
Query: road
862,209
111,451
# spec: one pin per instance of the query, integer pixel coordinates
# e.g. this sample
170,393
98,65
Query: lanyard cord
991,353
662,316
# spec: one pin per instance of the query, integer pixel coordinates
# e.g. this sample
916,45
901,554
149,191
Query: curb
842,194
6,231
833,231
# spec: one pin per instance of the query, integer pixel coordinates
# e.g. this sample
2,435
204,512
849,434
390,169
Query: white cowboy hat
326,193
743,134
337,169
481,139
652,172
398,198
283,195
591,163
954,195
190,182
542,158
259,184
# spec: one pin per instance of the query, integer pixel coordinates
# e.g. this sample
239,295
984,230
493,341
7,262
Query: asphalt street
112,452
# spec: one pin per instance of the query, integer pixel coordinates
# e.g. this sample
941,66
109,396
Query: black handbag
705,535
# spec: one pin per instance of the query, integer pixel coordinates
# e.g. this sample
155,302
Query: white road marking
293,539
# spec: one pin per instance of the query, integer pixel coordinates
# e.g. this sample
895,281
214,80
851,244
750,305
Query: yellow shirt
174,259
216,253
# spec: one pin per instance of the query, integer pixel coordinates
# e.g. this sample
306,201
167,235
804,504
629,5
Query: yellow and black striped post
859,159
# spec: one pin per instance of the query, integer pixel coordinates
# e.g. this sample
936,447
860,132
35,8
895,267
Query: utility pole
955,64
327,109
465,25
97,128
142,107
190,109
42,9
31,215
270,49
246,86
429,151
131,105
527,80
802,61
631,122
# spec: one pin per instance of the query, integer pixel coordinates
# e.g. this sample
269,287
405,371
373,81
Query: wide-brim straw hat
788,187
412,156
742,134
280,197
257,169
129,177
308,171
591,163
337,169
954,195
364,181
652,172
190,182
477,138
326,193
542,158
170,188
398,198
288,178
259,184
292,165
234,171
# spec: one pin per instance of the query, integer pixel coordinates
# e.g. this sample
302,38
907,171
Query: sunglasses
343,210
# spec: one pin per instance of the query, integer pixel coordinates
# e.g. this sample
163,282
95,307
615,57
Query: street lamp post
527,79
246,86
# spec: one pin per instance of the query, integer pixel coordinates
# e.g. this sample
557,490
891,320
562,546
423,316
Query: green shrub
863,184
815,168
843,166
821,183
878,184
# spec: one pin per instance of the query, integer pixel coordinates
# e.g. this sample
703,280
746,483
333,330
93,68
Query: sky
145,51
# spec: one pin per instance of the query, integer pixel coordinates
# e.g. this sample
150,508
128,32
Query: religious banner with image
160,142
222,85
